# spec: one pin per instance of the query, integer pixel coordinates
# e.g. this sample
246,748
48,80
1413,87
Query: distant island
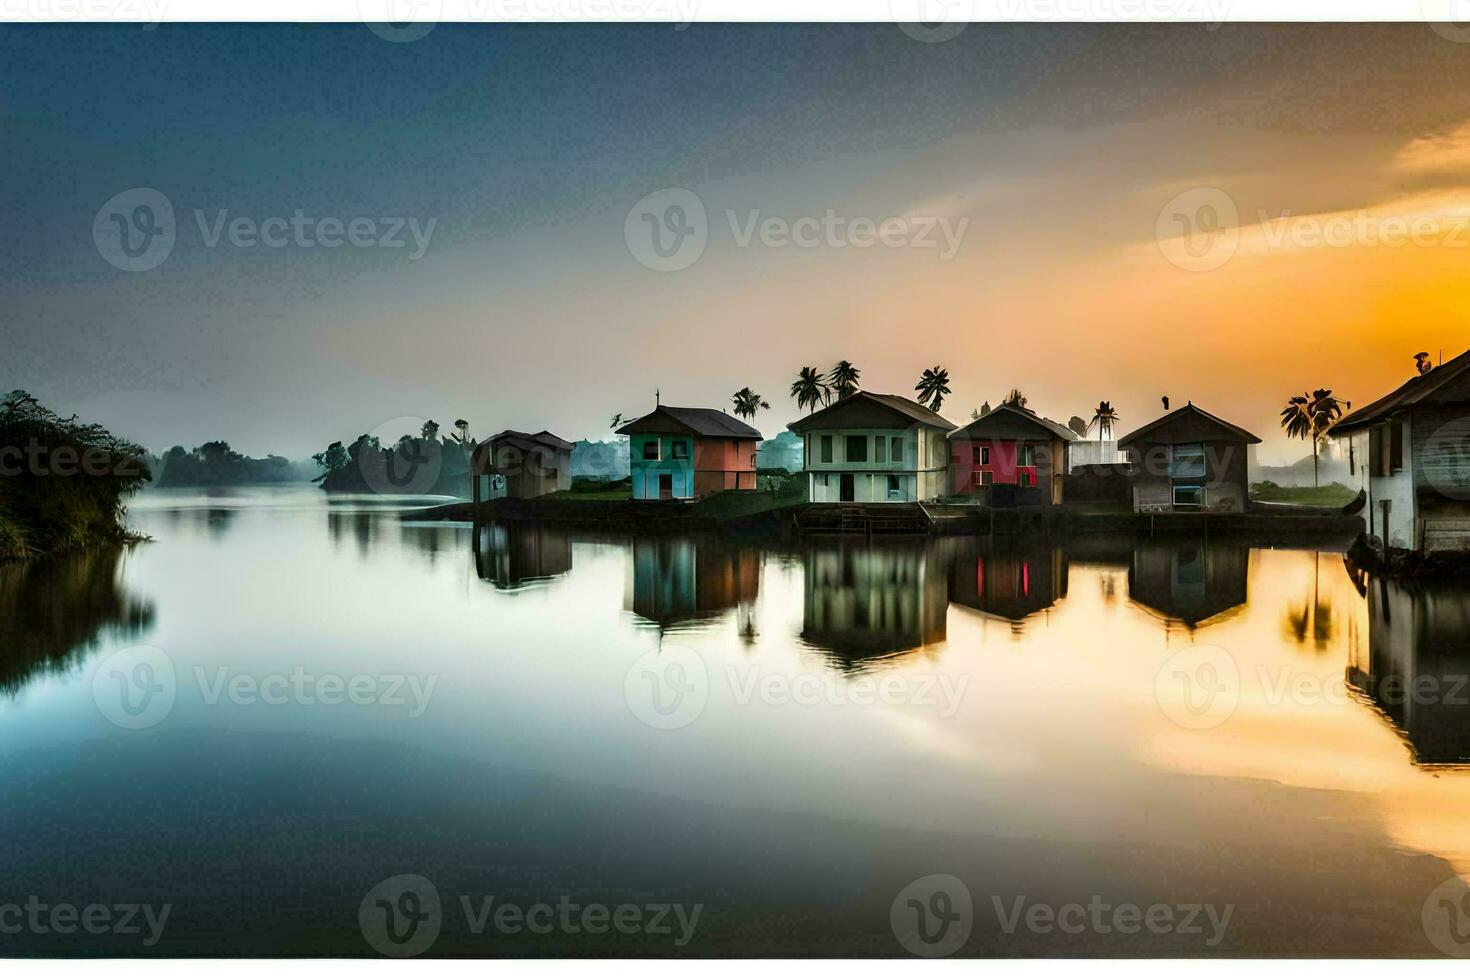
62,482
216,464
416,464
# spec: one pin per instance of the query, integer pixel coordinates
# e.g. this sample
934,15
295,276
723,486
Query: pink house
1010,446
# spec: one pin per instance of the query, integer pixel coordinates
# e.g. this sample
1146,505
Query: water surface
784,734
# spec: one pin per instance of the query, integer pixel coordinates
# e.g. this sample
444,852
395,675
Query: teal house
684,453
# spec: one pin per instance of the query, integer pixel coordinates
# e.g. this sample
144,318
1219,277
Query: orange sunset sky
1062,148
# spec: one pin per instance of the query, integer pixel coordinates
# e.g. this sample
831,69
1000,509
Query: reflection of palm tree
932,387
1104,419
843,378
1312,417
747,403
809,389
1314,616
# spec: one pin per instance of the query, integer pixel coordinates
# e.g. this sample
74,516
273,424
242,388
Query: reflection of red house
1009,585
1011,446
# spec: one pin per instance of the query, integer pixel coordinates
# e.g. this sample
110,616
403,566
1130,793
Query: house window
1187,460
1027,478
1386,448
1026,455
880,450
650,450
679,449
897,454
857,449
1189,495
893,488
986,478
826,449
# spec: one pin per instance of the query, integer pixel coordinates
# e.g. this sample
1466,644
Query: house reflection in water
869,600
1012,582
515,555
1415,667
1188,580
686,581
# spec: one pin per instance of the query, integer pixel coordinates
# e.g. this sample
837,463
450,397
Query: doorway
666,486
846,488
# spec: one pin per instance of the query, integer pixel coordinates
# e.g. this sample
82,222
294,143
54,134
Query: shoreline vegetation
777,508
64,481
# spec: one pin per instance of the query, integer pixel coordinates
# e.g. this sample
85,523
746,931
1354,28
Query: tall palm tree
843,378
809,389
1015,398
747,403
1104,419
1312,416
932,387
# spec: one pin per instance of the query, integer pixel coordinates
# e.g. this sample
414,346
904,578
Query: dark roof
710,422
1190,413
1417,389
528,440
865,407
1013,422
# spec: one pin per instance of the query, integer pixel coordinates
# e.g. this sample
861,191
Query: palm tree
616,422
1015,398
843,378
932,387
747,403
809,389
1104,419
1312,417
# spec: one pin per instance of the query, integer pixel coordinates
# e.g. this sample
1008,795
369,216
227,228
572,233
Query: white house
870,448
1409,452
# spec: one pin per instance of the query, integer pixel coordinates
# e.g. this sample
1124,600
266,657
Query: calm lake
266,715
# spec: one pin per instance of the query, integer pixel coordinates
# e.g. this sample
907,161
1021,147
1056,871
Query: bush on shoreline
62,482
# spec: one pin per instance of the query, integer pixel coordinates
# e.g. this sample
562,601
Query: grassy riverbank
62,482
1331,495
